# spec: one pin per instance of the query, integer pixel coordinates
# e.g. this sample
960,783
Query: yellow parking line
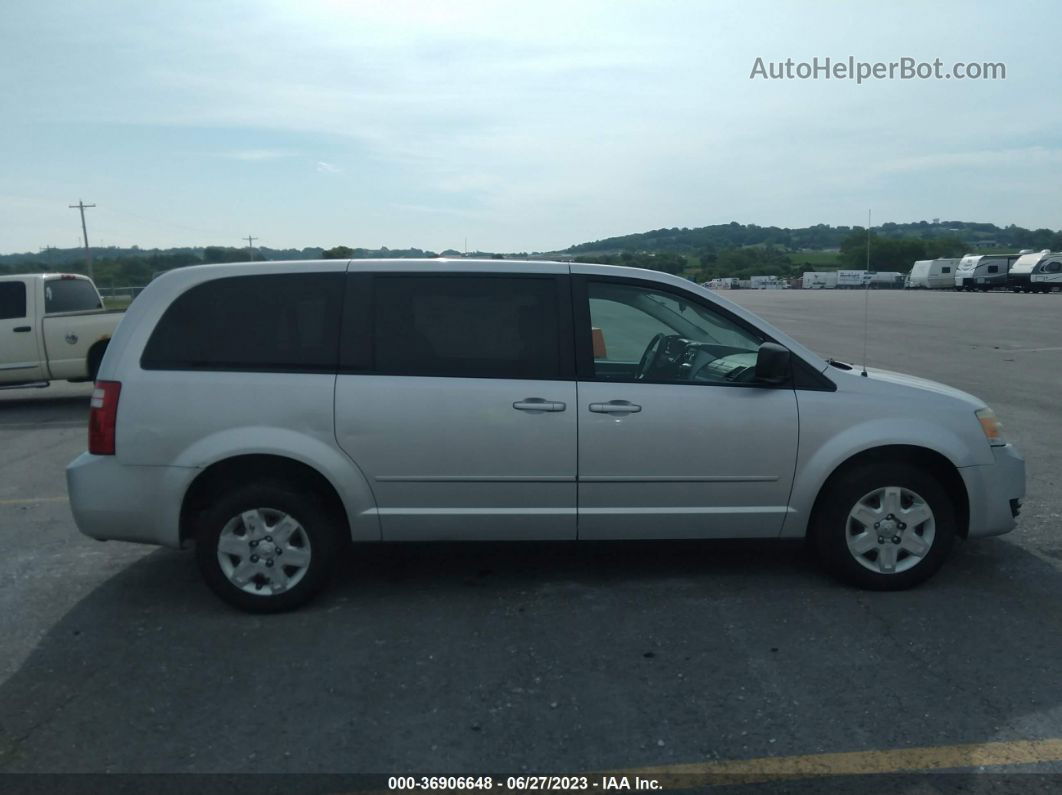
33,500
853,763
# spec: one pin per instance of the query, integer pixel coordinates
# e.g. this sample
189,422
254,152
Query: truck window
12,300
277,323
70,295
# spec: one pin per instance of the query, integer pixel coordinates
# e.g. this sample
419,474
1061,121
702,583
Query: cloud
257,154
328,168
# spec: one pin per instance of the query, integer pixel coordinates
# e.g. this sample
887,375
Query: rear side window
12,300
466,326
70,295
281,323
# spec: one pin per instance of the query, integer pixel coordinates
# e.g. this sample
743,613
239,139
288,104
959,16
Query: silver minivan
274,413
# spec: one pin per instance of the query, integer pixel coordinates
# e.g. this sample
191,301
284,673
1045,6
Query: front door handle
21,329
537,404
615,407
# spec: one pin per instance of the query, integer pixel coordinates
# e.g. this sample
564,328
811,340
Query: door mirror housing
772,363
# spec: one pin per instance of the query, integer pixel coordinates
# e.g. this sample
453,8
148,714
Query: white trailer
933,274
984,271
851,279
722,283
766,283
819,280
1038,272
885,280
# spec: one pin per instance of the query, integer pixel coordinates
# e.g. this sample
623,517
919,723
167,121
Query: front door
676,439
458,403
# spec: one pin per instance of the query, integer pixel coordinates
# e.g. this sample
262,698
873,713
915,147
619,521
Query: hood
921,384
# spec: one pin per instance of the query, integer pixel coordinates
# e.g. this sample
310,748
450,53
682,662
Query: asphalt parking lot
554,658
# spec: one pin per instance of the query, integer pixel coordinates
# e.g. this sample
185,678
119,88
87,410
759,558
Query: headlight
992,427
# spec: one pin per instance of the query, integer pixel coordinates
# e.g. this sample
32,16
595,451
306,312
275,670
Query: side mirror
772,363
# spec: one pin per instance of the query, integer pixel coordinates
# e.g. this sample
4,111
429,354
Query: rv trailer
1036,272
984,271
932,274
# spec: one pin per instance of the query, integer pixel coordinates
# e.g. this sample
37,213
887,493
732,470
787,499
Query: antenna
866,301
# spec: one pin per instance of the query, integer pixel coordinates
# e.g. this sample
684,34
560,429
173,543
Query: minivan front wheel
884,527
264,548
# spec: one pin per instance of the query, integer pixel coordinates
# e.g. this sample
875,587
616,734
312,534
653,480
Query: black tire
319,531
831,525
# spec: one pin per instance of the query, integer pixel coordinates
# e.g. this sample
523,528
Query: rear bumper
115,502
995,492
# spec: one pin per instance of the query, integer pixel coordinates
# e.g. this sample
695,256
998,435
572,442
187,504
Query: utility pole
250,246
84,231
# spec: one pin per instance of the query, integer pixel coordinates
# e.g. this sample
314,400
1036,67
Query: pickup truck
52,327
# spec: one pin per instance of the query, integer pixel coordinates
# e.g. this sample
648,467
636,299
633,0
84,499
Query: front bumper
995,492
119,502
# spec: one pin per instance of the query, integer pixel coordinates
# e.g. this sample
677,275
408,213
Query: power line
84,231
250,245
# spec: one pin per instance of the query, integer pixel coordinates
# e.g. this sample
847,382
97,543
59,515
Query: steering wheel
649,357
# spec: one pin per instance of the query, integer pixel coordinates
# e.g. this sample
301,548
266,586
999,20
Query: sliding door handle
21,329
536,404
615,407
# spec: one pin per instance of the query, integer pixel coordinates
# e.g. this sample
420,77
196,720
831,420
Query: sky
514,126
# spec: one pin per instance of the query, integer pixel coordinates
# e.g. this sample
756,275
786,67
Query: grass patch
810,260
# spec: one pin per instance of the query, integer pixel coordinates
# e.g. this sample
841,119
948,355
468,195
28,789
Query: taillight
103,417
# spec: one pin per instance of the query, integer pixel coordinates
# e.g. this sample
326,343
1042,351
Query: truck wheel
884,527
265,548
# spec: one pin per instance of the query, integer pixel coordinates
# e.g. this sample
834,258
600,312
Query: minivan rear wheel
265,548
884,527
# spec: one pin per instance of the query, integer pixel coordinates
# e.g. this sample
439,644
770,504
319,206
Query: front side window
1052,267
70,295
643,334
275,323
12,300
466,326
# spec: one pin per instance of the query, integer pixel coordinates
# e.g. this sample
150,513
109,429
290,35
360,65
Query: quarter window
278,323
12,300
643,334
466,326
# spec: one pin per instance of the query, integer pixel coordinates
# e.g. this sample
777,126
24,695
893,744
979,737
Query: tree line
718,237
739,250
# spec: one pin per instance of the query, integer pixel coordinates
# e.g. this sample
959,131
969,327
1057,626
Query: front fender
821,454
